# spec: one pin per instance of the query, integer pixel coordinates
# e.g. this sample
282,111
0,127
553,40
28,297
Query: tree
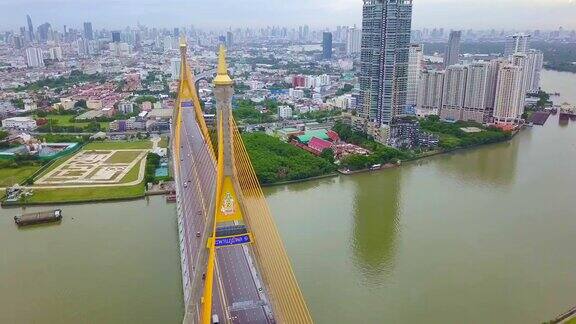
328,155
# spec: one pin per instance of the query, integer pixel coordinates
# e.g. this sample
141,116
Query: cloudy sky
461,14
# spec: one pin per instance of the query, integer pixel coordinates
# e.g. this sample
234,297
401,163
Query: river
105,263
484,235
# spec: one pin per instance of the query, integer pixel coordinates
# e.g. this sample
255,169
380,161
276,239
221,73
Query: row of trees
52,126
276,161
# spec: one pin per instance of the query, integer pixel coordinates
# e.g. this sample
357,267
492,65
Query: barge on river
39,218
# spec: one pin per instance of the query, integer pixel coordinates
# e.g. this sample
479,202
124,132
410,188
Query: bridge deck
237,294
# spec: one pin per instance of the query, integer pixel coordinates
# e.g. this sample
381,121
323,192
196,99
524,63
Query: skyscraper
475,94
452,54
517,43
88,33
414,67
229,39
507,108
34,57
116,36
30,29
384,58
534,68
44,32
491,82
430,93
327,45
454,92
353,38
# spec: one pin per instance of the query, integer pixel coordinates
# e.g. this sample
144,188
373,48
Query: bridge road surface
196,187
235,293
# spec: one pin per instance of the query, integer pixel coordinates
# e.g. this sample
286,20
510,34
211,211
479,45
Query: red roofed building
334,137
318,145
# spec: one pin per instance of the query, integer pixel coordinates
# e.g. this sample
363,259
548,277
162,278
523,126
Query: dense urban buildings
384,59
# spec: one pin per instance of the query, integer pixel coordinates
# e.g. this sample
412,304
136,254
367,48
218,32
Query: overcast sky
458,14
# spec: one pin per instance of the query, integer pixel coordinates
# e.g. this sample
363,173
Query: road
239,296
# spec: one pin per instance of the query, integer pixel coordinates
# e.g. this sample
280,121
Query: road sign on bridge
233,240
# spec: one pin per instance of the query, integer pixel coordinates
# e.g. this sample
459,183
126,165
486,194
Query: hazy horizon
451,14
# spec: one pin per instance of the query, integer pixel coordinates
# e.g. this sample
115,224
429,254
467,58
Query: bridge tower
187,97
229,227
240,205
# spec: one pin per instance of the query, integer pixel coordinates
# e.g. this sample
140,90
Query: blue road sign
233,240
186,104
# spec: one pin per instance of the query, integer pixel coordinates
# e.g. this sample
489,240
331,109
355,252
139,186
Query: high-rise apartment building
414,67
475,94
88,33
507,106
452,54
534,68
430,93
327,45
175,64
517,43
34,57
353,39
454,92
491,81
384,59
55,53
521,60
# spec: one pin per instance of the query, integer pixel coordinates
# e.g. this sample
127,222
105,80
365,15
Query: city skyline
467,14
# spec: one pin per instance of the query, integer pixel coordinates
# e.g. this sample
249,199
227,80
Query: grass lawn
123,157
119,145
11,176
163,142
132,175
86,194
64,120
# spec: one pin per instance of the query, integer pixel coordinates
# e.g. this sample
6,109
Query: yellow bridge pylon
239,201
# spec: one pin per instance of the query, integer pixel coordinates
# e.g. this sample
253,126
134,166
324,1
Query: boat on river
39,217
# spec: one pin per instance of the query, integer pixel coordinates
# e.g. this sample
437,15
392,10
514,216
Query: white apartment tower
507,106
353,40
533,69
414,67
55,53
517,43
454,92
491,81
430,93
521,60
34,57
475,94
